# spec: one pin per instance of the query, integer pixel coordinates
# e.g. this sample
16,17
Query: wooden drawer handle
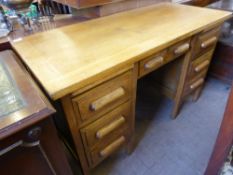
112,147
202,66
154,62
111,127
101,102
197,83
208,42
182,49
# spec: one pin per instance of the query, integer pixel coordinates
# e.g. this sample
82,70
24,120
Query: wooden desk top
72,57
59,20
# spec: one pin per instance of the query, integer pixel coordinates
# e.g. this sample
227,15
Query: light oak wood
111,127
209,48
69,58
104,79
84,132
178,93
177,77
201,63
197,93
94,66
152,62
182,49
190,87
197,83
93,145
73,126
112,147
155,62
206,40
209,42
112,124
109,98
131,143
103,98
102,152
202,66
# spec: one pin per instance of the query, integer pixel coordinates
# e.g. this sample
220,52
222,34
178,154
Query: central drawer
103,98
153,62
159,59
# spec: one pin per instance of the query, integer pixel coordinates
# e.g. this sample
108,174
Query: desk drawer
179,49
200,64
110,125
195,83
104,97
154,62
102,152
205,41
151,63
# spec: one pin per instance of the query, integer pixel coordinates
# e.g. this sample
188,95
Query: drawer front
154,62
200,64
195,83
178,49
206,40
110,125
151,63
102,152
104,97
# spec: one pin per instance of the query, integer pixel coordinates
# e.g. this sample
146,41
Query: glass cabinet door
10,97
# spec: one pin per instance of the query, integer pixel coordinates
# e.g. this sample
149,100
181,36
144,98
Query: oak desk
93,67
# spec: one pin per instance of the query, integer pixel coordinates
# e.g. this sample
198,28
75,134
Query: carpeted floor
171,147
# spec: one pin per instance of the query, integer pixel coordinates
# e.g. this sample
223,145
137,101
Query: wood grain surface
72,57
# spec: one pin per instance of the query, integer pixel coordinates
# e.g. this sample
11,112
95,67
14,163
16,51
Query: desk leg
131,143
73,126
183,78
180,88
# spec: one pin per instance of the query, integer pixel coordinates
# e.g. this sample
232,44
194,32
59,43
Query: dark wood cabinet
35,150
224,140
88,3
199,2
31,155
28,139
85,3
